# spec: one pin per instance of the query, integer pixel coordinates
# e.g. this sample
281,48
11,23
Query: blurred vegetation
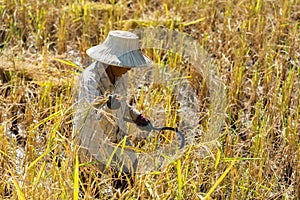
255,46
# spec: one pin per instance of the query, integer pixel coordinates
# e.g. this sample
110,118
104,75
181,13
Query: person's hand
113,103
143,123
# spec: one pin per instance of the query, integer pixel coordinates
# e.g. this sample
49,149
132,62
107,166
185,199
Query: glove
113,103
143,123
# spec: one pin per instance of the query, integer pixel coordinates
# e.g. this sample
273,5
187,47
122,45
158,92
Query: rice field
229,78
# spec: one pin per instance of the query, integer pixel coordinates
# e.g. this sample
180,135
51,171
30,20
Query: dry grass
255,46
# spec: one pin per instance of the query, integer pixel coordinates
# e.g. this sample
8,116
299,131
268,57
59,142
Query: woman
99,119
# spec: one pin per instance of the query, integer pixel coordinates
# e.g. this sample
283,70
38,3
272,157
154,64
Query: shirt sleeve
91,94
89,87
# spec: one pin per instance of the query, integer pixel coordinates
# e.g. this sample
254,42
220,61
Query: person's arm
139,119
131,112
91,98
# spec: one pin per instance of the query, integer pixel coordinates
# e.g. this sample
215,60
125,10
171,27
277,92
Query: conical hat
121,48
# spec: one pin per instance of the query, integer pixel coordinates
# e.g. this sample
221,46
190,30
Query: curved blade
179,133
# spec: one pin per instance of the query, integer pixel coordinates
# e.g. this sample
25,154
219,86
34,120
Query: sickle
179,133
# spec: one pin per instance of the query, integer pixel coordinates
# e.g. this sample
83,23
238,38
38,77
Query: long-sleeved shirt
96,125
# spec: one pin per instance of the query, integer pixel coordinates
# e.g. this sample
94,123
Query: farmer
99,118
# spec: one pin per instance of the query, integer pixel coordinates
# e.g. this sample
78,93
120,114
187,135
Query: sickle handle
179,133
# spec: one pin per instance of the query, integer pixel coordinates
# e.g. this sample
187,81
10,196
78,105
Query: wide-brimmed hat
121,48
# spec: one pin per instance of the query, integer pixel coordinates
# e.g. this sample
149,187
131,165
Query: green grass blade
19,191
32,164
37,180
76,179
20,194
179,179
220,179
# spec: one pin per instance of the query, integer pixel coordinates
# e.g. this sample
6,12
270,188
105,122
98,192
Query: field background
255,46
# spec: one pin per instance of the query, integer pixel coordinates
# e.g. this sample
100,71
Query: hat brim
132,59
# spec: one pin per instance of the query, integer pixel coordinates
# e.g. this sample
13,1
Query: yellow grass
254,48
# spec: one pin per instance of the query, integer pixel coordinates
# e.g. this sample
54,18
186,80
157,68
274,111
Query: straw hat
121,48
